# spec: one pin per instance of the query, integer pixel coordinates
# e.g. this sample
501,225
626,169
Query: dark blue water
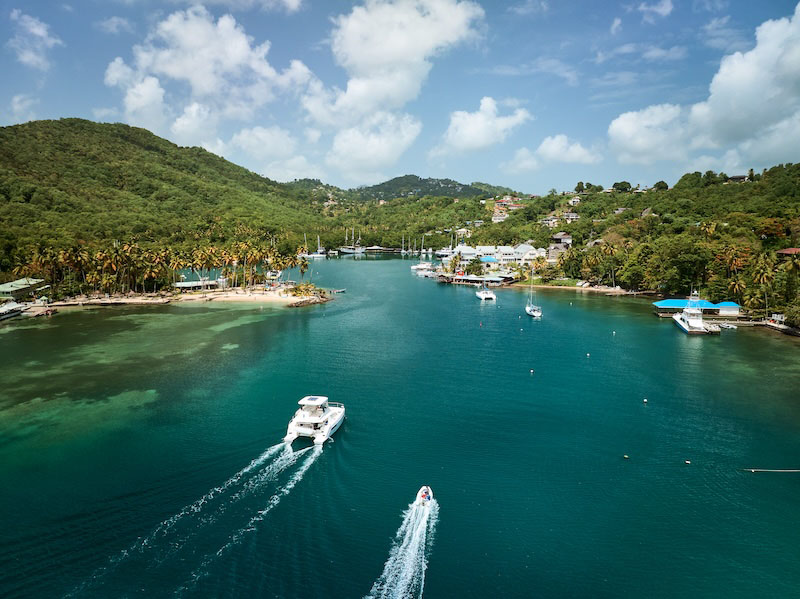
120,429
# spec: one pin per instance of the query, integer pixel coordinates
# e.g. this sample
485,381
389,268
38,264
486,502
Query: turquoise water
124,433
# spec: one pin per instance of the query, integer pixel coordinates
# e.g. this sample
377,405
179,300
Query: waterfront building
20,288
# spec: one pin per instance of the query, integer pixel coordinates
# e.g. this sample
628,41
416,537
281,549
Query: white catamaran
317,418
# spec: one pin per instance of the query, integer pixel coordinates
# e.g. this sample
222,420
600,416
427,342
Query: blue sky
533,94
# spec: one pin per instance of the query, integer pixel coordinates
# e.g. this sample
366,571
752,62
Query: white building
574,201
571,217
550,221
499,217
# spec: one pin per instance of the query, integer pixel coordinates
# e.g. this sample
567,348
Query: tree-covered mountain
414,186
71,181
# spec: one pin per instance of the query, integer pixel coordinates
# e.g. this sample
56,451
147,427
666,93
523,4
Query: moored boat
486,294
317,419
690,319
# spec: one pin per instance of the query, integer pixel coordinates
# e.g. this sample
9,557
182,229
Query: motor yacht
317,419
690,319
424,495
422,266
485,294
10,310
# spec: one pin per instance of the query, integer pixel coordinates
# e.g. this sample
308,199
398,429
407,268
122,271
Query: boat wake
403,573
237,537
237,505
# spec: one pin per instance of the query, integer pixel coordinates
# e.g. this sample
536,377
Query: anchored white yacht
10,310
532,309
424,495
690,320
317,418
422,266
485,294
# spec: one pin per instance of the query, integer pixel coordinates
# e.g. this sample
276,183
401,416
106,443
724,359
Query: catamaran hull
320,436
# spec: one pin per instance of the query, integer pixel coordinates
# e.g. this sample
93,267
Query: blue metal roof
702,304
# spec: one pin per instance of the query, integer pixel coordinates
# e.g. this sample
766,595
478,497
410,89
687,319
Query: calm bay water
113,421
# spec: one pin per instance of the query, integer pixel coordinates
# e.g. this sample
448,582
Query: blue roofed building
670,306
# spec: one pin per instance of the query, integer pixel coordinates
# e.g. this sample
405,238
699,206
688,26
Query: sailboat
532,309
320,253
403,251
355,248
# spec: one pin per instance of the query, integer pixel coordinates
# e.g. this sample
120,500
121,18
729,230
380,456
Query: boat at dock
317,419
10,310
424,495
727,325
690,319
422,266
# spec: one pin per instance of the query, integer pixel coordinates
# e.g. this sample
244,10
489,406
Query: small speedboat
424,495
727,325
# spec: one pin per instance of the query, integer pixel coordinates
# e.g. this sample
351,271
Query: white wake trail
237,536
197,506
403,575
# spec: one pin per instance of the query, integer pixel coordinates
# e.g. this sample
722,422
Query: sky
531,94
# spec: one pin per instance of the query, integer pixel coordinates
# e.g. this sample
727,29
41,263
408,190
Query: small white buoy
520,329
626,456
570,303
644,400
531,370
613,332
687,462
587,355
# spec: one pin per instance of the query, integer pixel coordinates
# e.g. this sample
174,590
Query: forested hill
412,185
66,181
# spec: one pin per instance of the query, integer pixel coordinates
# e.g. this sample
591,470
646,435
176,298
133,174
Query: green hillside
67,181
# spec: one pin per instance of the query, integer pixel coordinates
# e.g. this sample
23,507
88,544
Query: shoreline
227,296
605,290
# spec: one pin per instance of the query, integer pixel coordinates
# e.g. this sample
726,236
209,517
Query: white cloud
752,110
522,162
623,50
720,35
616,26
674,53
212,68
32,40
290,6
144,104
477,130
386,47
192,127
296,167
22,108
114,25
550,66
649,135
553,149
360,152
312,135
530,7
709,5
557,148
662,8
265,143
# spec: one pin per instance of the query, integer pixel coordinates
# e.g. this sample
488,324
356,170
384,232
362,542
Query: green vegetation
112,207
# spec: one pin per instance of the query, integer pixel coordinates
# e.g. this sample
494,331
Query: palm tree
764,274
